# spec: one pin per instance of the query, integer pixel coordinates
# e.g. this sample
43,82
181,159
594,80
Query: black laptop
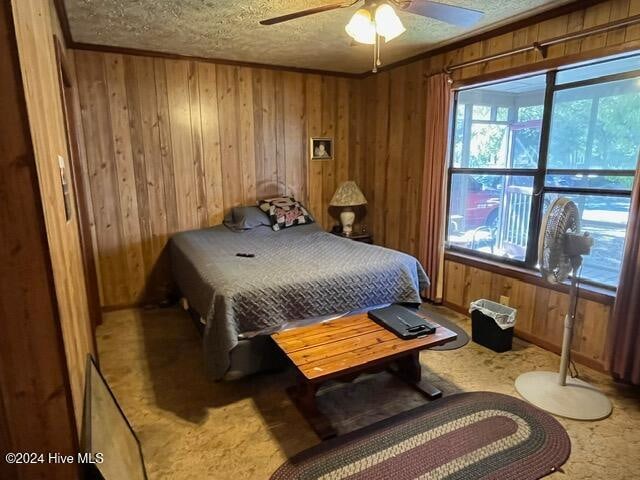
402,321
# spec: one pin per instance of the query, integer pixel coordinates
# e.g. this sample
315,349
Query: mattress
295,274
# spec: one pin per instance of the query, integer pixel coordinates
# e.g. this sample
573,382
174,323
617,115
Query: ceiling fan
378,18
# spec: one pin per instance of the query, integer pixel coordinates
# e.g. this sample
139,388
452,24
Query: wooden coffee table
346,347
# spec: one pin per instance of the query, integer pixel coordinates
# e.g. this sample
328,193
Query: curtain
624,336
432,216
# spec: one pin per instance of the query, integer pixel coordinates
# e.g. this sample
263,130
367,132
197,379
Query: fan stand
557,394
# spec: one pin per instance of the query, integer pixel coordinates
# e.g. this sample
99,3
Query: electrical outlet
504,300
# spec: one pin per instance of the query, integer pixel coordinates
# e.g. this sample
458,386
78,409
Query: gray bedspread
296,273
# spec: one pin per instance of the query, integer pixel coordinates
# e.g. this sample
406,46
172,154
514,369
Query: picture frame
110,447
321,148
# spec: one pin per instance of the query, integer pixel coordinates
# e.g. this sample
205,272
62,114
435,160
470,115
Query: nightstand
357,237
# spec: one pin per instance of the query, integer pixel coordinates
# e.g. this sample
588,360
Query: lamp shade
361,28
348,195
387,22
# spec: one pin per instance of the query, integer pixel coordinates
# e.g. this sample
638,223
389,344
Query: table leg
303,395
410,370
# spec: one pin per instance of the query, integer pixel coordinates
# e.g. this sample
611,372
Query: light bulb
361,28
388,25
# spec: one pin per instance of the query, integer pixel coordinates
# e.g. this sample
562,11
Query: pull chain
376,54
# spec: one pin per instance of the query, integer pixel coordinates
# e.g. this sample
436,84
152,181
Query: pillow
246,218
285,212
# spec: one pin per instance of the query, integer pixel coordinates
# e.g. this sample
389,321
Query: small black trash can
486,320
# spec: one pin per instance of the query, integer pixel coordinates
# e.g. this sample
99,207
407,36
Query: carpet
463,337
465,436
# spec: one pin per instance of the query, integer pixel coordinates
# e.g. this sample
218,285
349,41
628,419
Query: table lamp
347,195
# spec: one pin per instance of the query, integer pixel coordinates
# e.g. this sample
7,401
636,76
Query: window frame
540,173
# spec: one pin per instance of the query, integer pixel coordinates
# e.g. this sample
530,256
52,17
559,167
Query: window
495,159
518,144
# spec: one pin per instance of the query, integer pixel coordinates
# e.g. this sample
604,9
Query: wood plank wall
541,310
391,167
35,25
172,145
36,409
593,46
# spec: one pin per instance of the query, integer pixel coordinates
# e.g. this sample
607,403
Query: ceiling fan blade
462,17
302,13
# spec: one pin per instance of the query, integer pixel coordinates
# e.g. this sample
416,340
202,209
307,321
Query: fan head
459,16
561,221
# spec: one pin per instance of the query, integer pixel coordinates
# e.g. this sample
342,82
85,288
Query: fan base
577,399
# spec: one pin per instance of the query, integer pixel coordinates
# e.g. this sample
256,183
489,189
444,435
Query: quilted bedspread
296,273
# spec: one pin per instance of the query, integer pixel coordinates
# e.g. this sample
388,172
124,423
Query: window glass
502,114
600,182
592,152
490,214
488,146
530,112
525,143
596,127
504,128
595,70
481,112
605,218
458,133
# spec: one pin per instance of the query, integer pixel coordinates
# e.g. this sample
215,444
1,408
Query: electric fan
560,250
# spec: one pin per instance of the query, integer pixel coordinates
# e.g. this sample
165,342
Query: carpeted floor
193,429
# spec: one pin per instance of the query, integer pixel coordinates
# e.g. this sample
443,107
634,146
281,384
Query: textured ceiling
229,29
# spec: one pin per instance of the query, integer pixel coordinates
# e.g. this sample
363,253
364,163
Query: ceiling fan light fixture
361,27
387,22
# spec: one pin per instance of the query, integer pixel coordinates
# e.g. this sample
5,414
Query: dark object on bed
402,321
246,218
297,273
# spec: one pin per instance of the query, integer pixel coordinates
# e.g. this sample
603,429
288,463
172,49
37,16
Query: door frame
67,91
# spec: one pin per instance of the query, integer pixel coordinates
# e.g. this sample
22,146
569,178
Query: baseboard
456,308
576,356
129,306
115,308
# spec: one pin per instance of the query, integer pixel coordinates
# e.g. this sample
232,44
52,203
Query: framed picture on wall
321,148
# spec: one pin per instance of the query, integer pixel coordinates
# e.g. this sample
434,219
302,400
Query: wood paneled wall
36,410
593,46
35,25
172,145
390,173
541,310
390,170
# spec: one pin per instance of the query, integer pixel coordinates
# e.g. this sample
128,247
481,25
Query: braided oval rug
464,436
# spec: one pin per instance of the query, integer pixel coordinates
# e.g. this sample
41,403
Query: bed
297,273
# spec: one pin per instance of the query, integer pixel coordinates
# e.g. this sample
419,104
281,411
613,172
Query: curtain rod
543,46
